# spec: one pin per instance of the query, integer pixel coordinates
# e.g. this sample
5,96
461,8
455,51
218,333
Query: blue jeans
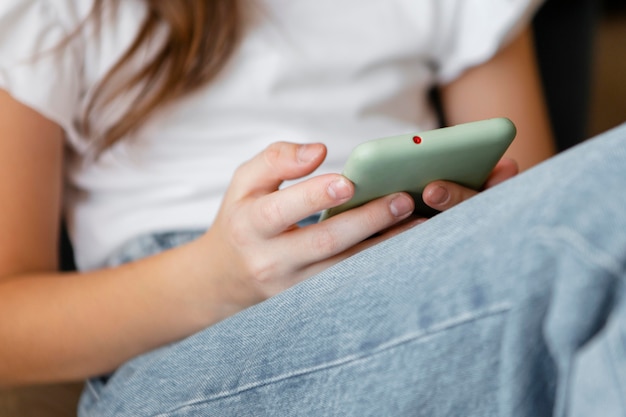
511,304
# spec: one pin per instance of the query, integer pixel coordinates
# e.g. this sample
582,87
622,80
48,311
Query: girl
132,119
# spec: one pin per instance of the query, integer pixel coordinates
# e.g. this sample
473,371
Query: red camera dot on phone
417,140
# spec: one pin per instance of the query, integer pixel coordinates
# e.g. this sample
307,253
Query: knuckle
271,213
377,218
374,219
241,172
239,232
262,269
274,153
457,196
311,200
325,242
241,168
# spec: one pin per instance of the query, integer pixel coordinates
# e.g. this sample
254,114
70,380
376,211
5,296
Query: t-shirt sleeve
470,32
37,66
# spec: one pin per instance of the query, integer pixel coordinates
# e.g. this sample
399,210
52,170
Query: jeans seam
408,338
92,390
616,377
589,252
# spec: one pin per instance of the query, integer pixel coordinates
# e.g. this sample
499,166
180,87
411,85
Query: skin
69,326
508,85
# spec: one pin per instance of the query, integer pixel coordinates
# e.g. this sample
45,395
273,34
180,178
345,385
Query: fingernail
306,153
401,206
339,189
438,195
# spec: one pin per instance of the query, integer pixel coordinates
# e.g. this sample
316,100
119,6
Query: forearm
71,326
506,86
65,327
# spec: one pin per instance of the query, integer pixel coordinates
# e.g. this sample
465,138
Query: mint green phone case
465,154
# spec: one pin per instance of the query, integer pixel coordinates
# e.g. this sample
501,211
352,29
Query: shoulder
469,32
31,27
34,69
63,12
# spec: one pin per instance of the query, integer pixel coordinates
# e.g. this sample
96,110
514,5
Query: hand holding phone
465,154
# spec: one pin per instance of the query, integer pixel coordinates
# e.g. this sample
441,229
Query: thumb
280,161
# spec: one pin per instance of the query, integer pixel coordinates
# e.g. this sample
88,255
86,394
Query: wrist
211,288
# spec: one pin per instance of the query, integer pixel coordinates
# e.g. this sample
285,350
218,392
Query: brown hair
201,35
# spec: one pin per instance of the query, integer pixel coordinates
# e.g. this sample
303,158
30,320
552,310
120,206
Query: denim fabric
511,304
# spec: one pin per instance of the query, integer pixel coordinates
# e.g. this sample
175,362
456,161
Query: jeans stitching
593,255
422,334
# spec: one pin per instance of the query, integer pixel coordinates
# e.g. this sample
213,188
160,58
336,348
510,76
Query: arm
63,326
508,85
71,326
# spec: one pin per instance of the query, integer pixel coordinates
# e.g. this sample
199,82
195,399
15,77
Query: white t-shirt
330,71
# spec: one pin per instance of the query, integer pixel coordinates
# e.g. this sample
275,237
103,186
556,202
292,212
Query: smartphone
465,154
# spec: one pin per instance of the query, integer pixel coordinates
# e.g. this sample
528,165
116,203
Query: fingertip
506,168
288,161
340,189
401,205
510,165
436,195
310,152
